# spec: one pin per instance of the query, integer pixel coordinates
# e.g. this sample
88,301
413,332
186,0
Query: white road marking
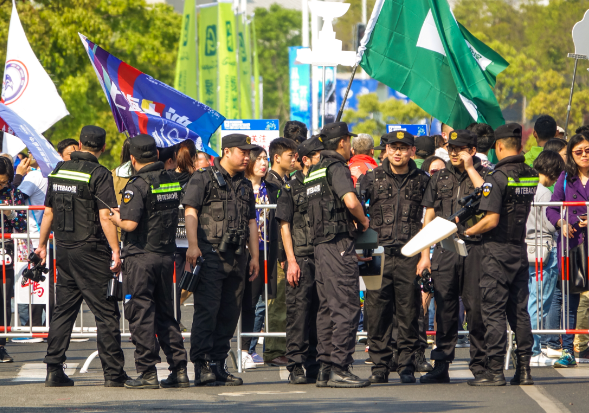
37,372
284,373
540,396
260,393
574,372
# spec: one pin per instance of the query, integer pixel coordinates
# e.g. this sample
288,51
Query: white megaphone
439,229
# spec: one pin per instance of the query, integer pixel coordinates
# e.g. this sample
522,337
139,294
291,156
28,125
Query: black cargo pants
150,310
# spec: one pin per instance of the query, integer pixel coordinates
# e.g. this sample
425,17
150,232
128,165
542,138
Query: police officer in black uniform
454,275
334,213
395,190
148,219
220,222
302,302
507,196
86,244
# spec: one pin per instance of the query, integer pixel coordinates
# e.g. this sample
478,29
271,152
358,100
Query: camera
426,282
35,273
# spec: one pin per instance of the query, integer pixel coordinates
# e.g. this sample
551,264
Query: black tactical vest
450,191
156,231
522,182
395,210
225,207
75,213
301,224
328,215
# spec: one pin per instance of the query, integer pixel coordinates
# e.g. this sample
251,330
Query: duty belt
393,251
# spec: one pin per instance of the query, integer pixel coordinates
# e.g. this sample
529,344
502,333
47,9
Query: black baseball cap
396,136
462,137
238,140
308,146
335,130
509,130
143,148
93,136
425,145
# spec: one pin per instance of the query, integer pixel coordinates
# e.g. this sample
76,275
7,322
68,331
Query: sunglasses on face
401,148
580,151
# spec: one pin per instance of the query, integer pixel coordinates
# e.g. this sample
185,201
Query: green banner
256,69
228,87
185,79
208,58
245,67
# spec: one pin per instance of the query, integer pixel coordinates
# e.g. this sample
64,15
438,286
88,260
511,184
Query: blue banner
300,89
359,87
415,130
42,151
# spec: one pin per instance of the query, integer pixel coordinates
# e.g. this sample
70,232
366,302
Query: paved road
265,388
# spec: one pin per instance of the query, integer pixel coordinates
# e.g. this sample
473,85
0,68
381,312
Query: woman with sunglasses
570,186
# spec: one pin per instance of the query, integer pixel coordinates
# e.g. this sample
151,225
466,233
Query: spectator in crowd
14,221
582,129
425,146
433,164
185,166
570,186
122,173
168,157
446,129
381,156
441,148
362,156
544,130
557,145
202,160
296,131
485,141
66,147
549,166
266,193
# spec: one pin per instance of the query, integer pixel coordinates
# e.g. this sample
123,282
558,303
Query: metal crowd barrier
90,332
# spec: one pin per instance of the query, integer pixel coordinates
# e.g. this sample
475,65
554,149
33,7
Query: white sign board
261,131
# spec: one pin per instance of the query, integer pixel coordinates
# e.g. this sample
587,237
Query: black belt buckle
393,251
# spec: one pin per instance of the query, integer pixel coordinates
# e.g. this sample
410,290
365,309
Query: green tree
372,116
144,36
277,29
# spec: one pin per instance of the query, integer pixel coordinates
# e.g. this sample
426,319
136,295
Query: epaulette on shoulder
490,173
201,170
287,187
132,179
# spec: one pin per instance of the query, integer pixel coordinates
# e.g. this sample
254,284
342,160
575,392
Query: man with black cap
302,302
425,146
220,222
148,219
507,196
452,274
395,190
79,195
335,217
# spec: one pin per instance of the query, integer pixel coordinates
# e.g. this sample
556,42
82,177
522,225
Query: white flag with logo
27,89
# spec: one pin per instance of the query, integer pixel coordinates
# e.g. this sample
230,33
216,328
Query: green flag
417,48
245,67
228,92
208,62
185,78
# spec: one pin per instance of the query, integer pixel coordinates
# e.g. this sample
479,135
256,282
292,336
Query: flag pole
341,109
576,57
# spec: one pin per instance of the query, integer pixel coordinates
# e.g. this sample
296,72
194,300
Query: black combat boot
438,375
146,380
312,371
493,376
523,374
407,376
420,362
56,377
342,377
178,378
203,373
323,375
222,375
379,375
297,375
120,382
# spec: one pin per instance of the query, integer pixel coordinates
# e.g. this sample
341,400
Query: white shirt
34,185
